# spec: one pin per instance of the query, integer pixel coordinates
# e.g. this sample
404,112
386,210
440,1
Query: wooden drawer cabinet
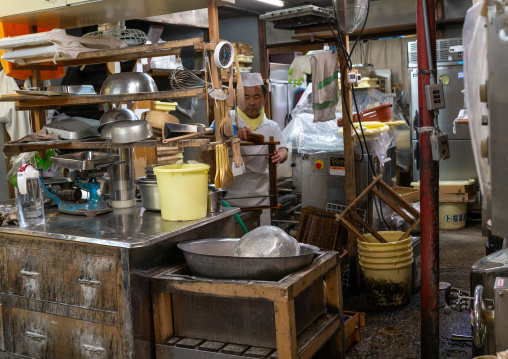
47,336
63,277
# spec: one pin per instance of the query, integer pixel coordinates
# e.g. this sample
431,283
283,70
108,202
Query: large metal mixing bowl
213,258
116,115
128,82
131,131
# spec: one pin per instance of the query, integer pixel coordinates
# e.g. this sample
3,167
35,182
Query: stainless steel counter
126,228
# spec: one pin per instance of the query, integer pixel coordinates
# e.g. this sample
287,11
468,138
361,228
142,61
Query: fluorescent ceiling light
273,2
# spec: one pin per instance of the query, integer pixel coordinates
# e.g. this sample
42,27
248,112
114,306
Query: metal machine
489,310
460,166
88,166
320,178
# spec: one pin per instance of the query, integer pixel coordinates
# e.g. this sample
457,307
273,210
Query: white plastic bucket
452,215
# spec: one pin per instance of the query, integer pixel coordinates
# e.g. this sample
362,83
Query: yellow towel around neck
253,123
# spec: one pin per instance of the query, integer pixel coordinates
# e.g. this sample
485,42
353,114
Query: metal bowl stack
123,126
149,191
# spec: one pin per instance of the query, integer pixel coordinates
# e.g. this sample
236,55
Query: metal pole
429,191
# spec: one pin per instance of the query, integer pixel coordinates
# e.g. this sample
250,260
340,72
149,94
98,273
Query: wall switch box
358,79
435,96
439,145
351,77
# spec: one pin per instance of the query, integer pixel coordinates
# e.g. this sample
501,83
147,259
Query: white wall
242,29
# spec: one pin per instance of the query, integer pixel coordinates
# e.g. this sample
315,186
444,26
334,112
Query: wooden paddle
240,93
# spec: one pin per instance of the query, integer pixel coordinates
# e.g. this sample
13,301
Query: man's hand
242,133
279,156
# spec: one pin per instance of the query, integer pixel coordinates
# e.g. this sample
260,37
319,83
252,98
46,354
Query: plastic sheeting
474,36
267,241
306,136
398,221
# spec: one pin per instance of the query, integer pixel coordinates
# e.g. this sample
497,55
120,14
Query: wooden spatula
240,93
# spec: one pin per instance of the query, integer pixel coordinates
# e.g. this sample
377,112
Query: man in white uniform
251,188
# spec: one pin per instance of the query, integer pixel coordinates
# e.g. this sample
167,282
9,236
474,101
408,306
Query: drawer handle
27,273
35,336
89,282
93,350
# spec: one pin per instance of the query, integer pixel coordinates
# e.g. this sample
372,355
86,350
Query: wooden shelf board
24,102
12,149
125,54
315,32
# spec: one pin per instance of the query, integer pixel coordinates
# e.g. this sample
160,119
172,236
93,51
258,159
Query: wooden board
407,193
125,54
453,197
56,101
12,149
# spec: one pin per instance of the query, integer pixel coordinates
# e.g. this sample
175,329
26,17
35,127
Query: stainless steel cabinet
282,94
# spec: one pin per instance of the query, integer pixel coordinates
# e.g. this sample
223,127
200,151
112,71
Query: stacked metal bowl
148,189
121,125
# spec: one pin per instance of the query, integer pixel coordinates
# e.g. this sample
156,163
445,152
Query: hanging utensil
240,93
218,166
215,91
228,175
183,79
228,126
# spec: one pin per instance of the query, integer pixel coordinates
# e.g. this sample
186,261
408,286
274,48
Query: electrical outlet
358,79
435,96
440,147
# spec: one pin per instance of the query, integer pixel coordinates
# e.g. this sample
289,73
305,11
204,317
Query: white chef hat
250,79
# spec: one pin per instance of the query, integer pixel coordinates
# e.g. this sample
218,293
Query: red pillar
429,193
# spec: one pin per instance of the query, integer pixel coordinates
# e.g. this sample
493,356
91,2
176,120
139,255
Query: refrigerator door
452,78
280,104
279,72
282,95
460,166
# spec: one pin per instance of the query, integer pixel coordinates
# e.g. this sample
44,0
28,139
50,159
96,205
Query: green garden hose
239,220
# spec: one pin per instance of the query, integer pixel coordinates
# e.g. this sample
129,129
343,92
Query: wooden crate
453,191
352,328
328,328
407,193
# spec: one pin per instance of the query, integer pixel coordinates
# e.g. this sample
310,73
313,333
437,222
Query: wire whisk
183,79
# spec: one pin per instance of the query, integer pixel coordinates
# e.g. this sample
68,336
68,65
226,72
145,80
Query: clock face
225,55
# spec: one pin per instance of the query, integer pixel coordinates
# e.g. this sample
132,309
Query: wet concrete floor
395,332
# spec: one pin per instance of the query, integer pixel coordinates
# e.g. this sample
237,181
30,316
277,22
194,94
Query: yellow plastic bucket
388,284
391,237
183,191
389,253
396,258
452,215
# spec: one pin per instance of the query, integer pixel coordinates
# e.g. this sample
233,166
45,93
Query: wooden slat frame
390,198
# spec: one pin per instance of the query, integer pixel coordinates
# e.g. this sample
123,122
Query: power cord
349,66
